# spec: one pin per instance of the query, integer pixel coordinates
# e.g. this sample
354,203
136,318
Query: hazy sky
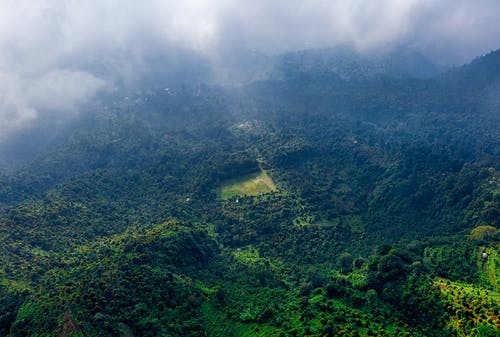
51,50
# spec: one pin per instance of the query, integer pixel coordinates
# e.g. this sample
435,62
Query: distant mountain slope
348,64
482,71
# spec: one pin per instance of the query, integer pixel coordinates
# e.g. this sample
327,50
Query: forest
353,200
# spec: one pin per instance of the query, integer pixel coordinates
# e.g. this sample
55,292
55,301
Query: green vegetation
473,311
481,233
385,223
249,185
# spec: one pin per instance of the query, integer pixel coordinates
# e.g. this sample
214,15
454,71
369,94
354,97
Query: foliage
481,233
388,197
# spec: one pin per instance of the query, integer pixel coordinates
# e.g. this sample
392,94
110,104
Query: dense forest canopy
338,195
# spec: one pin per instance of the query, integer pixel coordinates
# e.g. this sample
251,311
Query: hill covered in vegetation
308,204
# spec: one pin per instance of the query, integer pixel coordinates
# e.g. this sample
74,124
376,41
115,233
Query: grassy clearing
250,185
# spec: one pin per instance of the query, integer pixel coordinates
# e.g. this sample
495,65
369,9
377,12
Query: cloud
56,54
286,25
456,31
58,92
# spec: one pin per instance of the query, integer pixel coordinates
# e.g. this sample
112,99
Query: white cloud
58,92
48,47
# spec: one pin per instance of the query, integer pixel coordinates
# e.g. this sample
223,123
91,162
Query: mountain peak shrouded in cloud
56,55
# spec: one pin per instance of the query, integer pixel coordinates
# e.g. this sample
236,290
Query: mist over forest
58,55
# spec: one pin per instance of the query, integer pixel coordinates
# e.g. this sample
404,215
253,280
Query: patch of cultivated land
469,303
250,185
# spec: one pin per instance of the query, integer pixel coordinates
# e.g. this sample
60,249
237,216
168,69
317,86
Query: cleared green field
250,184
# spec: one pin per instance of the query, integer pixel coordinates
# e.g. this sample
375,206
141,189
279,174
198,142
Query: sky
56,55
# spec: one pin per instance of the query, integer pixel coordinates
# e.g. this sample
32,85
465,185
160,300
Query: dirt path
266,179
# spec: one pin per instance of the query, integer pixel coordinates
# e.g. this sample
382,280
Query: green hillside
159,217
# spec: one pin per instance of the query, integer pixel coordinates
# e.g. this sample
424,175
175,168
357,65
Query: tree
483,233
345,262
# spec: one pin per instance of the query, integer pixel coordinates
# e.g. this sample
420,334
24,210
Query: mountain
482,71
337,195
347,63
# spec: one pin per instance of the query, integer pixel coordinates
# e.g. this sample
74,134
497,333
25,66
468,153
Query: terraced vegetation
218,324
474,311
